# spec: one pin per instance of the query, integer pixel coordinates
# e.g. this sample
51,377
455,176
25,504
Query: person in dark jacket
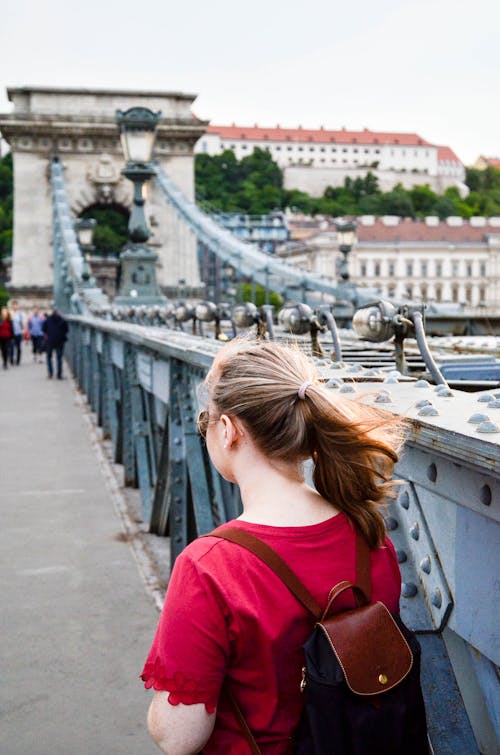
55,329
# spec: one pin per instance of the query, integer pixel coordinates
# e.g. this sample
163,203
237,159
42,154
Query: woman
6,335
227,619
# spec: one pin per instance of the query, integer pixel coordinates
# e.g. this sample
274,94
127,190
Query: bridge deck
75,619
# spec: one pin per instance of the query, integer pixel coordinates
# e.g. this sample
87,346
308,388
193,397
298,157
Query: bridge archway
79,127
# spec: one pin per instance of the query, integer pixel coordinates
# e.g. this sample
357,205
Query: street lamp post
85,228
138,263
346,238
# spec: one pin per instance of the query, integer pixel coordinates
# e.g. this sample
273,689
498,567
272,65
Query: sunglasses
204,421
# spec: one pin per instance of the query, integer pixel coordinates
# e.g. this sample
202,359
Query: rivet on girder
476,418
436,598
415,531
408,590
485,495
432,472
421,384
334,383
426,564
177,441
392,379
444,392
494,404
488,427
405,500
391,523
486,398
423,402
347,388
382,398
401,556
428,411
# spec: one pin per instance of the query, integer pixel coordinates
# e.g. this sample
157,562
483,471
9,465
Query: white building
456,260
315,159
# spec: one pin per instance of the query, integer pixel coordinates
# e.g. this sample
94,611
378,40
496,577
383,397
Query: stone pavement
75,620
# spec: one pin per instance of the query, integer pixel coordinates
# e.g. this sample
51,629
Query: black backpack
361,673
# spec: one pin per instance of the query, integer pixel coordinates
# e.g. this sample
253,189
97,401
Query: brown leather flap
369,646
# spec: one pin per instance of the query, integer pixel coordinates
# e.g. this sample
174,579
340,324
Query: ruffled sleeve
190,650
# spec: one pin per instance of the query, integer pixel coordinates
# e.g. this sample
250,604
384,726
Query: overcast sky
426,66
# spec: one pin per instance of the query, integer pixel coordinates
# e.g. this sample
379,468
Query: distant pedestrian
6,335
35,330
55,329
18,323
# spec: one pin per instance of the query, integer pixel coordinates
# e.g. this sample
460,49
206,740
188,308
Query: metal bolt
494,404
421,384
177,441
486,398
383,398
334,383
425,564
408,590
436,598
423,402
428,411
347,388
415,531
476,418
401,556
488,427
444,392
405,500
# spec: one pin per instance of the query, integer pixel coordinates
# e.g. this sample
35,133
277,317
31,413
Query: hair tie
303,388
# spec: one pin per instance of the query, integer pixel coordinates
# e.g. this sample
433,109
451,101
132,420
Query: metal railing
142,384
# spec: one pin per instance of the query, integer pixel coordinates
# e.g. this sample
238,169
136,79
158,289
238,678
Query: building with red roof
487,162
455,260
313,159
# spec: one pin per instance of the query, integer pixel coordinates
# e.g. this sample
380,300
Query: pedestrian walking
35,330
55,329
230,630
18,325
6,335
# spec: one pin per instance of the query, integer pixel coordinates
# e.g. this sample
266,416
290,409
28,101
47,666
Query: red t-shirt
227,616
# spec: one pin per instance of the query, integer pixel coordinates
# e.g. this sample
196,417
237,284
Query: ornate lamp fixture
138,262
85,228
346,238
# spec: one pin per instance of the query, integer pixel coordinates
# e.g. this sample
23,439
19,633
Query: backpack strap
287,576
274,562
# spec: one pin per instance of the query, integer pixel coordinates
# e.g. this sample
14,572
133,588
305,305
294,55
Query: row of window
425,269
423,294
278,148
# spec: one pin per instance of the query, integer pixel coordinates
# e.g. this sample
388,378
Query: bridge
136,371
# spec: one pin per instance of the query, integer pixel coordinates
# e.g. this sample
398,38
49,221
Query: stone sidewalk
75,620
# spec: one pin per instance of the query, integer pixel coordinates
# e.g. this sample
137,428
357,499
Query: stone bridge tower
79,127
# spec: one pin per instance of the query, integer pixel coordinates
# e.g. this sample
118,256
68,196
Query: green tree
257,293
111,231
397,202
6,204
